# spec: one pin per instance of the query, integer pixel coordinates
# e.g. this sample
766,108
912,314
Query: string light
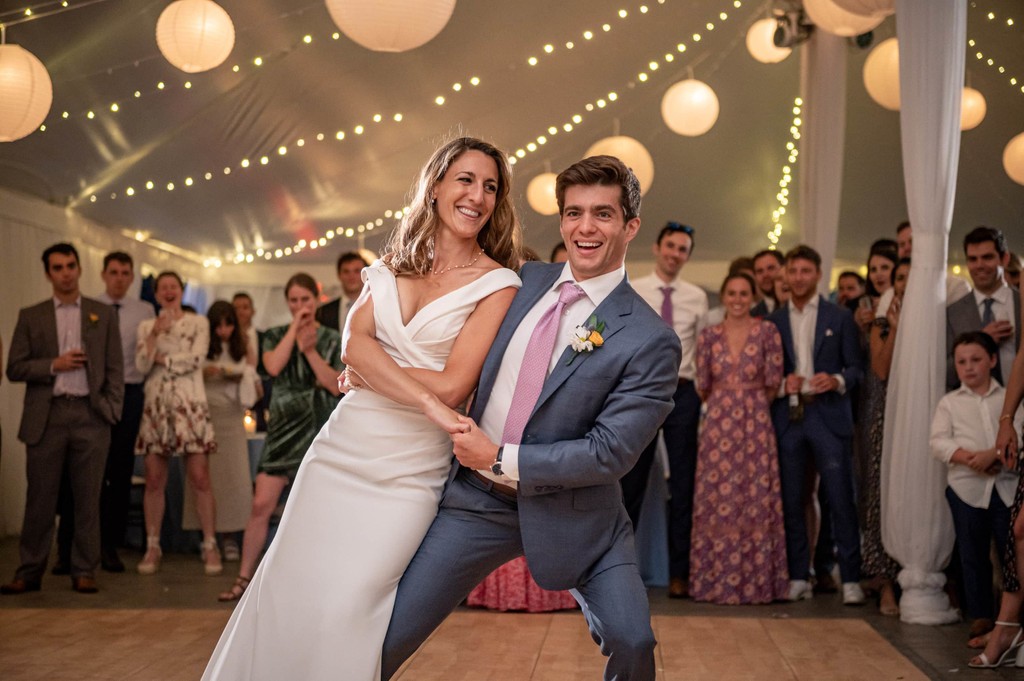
782,197
651,66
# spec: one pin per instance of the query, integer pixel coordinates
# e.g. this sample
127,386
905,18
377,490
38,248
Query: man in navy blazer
813,418
553,493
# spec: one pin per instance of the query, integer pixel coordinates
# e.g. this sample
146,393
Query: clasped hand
69,361
473,448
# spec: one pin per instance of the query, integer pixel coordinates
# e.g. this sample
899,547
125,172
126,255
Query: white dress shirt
130,314
69,337
492,422
967,420
689,314
1002,310
803,324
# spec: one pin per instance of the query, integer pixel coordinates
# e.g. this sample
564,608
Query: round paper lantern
869,8
761,42
882,74
972,109
630,152
195,35
1013,159
830,17
689,108
25,93
540,194
391,25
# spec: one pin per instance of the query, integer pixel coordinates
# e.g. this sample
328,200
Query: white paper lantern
761,42
540,194
25,93
195,35
1013,159
630,152
869,8
391,25
690,107
972,109
830,17
882,74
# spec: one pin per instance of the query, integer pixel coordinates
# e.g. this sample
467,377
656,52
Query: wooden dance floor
173,645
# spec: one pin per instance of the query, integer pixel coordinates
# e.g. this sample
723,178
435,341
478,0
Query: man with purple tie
684,307
577,382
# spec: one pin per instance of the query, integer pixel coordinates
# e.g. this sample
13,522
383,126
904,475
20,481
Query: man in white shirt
813,419
684,307
333,313
993,308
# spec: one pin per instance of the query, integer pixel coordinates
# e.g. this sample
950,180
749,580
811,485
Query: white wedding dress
319,604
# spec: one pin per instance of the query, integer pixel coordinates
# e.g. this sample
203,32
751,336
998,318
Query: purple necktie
535,364
666,304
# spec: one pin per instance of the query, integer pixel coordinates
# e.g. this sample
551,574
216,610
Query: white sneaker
853,594
800,590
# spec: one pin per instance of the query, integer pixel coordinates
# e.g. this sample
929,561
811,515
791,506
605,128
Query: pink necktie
666,304
535,364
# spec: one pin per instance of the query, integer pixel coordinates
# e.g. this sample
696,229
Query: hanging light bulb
831,18
630,152
391,25
195,35
690,107
1013,159
540,194
761,42
26,93
972,109
882,74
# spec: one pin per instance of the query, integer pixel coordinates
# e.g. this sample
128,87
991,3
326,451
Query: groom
577,382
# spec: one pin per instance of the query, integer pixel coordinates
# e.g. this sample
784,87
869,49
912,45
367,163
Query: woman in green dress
305,359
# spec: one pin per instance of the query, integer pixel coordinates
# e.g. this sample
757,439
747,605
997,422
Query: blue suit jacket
837,350
592,420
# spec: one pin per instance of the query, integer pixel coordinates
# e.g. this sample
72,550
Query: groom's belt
505,490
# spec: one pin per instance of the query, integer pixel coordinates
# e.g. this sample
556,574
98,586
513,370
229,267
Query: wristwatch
496,466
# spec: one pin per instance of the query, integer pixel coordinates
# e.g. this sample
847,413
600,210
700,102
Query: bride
319,604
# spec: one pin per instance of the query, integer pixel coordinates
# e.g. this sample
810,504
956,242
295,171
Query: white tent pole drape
823,90
916,523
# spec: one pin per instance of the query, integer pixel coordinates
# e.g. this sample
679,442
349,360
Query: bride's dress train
320,602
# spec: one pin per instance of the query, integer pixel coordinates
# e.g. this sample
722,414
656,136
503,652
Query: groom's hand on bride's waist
473,448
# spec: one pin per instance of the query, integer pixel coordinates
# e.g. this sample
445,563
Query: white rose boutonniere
586,337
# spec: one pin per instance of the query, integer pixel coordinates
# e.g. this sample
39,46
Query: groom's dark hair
603,170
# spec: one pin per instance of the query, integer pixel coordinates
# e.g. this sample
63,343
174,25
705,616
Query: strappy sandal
236,590
1008,656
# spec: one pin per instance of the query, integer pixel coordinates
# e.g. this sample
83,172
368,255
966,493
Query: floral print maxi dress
738,549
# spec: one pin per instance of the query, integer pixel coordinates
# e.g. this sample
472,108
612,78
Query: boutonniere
586,337
93,319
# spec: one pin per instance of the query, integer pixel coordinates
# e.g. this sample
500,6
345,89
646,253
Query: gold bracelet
1006,417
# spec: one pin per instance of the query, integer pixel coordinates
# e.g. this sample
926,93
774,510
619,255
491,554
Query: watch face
496,468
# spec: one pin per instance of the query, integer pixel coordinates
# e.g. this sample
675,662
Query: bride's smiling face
466,194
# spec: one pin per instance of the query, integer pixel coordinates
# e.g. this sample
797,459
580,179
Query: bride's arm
423,389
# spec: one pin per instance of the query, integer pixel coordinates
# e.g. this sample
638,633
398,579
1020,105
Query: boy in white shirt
980,491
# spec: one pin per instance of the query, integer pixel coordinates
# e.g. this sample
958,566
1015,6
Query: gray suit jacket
963,316
34,346
590,424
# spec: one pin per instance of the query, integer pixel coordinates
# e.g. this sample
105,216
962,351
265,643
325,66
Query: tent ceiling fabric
723,182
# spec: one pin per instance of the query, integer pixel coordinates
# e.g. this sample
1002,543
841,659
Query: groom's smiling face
594,229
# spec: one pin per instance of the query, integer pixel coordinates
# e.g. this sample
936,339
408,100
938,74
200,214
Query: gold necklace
458,267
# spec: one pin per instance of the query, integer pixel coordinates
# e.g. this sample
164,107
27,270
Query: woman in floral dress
738,550
170,351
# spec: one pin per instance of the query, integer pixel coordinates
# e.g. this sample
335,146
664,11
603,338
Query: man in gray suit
566,404
993,307
68,352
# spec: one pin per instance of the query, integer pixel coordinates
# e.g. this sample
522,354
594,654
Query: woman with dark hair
738,550
304,358
175,416
231,386
368,489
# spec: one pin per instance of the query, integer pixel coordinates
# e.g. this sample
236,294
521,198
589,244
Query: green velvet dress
298,406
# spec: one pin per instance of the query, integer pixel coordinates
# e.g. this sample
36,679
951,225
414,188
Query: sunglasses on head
679,227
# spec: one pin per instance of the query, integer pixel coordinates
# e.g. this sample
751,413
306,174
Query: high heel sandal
211,557
1015,650
150,562
236,590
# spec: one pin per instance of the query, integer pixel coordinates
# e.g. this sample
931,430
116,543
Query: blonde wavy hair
410,248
